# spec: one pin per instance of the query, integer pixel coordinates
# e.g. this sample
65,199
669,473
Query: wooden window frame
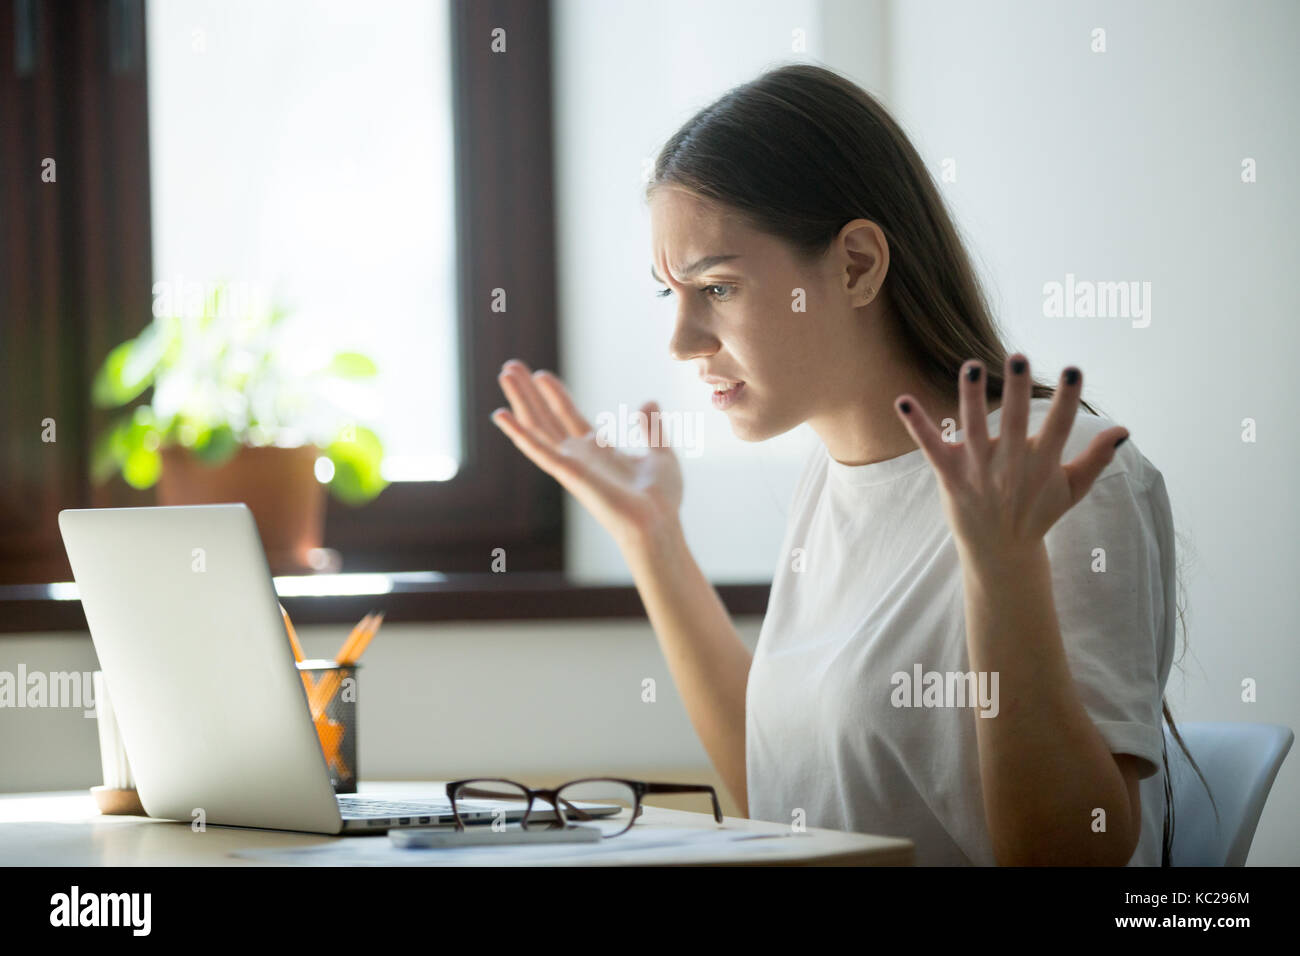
76,256
505,228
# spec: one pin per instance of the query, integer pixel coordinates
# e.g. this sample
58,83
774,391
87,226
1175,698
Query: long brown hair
799,152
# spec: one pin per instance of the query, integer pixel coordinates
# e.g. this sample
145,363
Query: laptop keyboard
373,807
376,812
432,811
373,812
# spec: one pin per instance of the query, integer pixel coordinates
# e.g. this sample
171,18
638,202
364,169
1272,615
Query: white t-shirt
879,594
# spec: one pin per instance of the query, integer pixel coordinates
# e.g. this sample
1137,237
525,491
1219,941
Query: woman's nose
689,340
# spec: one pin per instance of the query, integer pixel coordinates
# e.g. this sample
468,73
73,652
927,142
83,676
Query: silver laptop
213,713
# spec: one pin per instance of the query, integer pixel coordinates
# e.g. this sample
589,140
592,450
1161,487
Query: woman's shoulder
1128,459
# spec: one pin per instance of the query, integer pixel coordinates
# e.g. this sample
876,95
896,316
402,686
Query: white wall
1126,165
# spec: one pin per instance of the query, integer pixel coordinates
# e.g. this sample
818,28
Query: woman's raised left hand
1002,494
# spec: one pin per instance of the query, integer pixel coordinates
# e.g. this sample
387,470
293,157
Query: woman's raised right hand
633,497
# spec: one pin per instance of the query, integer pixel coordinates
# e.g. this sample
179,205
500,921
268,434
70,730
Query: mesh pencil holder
332,696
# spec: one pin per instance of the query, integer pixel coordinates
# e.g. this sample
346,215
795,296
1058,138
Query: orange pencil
355,653
320,695
298,655
325,689
353,637
293,635
356,643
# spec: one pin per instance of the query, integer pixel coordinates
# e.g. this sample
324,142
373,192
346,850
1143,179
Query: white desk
66,829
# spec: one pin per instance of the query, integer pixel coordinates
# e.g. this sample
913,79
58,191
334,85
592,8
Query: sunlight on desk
66,829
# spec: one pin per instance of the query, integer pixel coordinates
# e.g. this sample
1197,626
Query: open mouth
727,394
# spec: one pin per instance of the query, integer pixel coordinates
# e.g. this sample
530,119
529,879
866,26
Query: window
394,171
81,259
302,150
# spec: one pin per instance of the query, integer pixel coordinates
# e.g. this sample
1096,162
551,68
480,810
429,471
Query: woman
968,635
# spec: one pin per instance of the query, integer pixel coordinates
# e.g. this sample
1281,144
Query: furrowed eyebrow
696,267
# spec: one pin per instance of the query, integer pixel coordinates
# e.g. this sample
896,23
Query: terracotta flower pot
279,486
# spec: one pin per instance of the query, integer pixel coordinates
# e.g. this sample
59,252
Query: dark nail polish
1018,366
1121,441
905,405
1071,376
973,373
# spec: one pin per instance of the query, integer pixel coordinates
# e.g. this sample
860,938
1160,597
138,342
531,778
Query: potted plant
240,412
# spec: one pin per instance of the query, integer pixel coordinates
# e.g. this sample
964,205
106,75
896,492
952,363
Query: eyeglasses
571,800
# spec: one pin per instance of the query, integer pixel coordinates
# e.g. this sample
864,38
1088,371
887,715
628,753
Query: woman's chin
748,427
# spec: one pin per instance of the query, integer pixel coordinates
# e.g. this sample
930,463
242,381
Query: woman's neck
867,428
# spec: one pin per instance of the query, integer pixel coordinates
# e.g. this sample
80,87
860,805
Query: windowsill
407,596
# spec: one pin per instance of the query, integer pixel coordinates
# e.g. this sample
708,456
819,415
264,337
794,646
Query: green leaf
216,446
131,444
110,387
352,365
109,451
212,304
143,417
171,331
357,475
130,368
142,467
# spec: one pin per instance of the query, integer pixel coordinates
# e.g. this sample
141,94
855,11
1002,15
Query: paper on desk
378,851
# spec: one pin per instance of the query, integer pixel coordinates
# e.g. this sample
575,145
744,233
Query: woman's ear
863,260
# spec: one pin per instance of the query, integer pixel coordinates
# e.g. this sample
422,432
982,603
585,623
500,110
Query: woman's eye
724,293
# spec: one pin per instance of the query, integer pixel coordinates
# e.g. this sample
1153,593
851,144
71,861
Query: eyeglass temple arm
688,788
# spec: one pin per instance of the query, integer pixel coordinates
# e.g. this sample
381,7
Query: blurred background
249,247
